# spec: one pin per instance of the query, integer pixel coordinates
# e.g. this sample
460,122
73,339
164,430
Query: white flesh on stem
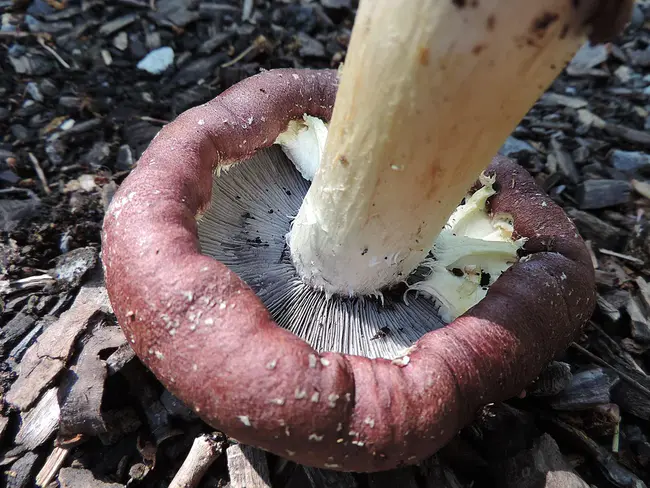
429,92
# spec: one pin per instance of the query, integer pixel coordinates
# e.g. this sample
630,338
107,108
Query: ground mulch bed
84,87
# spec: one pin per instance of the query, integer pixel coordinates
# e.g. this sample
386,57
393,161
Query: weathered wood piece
541,466
82,478
45,360
596,194
248,467
83,387
324,478
21,472
597,230
565,162
38,425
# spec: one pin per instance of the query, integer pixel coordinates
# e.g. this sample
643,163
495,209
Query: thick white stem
429,91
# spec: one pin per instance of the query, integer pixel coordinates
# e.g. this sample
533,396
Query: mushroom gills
245,228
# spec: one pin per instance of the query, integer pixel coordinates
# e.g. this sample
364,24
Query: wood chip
4,422
119,423
644,291
52,465
38,425
14,330
30,283
437,474
590,119
615,472
325,478
587,389
16,354
21,472
541,466
83,386
565,162
612,265
639,323
119,359
403,477
48,356
642,188
555,99
587,58
140,387
82,478
607,309
597,194
631,400
629,135
601,233
606,278
247,467
633,347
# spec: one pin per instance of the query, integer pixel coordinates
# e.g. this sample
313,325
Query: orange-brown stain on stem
491,22
432,179
423,56
478,48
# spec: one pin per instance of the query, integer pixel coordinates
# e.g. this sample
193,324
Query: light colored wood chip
52,465
38,425
247,467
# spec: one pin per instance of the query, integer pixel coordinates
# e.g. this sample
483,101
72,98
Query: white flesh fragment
474,244
303,142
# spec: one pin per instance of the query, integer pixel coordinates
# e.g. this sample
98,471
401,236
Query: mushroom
294,305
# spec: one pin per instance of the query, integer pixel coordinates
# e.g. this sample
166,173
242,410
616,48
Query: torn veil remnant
212,329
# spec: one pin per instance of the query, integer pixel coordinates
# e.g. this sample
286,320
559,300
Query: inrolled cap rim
209,339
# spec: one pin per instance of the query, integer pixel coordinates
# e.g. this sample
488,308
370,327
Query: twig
205,451
616,439
53,53
260,41
624,354
21,34
40,173
146,118
605,364
135,3
626,257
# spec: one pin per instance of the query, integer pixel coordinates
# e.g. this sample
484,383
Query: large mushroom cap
214,343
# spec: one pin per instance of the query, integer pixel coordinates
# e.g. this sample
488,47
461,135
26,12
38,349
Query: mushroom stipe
212,342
